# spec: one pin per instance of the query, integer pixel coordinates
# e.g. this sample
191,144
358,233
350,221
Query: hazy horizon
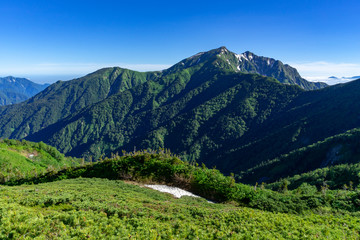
306,70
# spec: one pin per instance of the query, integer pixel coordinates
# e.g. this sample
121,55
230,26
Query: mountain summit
247,62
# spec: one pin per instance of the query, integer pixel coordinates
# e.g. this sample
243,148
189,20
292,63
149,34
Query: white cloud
320,71
72,68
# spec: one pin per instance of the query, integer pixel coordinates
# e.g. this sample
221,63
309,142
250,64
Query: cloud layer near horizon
321,71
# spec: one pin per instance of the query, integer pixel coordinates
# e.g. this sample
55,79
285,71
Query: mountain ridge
249,62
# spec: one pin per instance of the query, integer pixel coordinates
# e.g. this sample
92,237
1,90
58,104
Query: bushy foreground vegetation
19,159
111,209
162,167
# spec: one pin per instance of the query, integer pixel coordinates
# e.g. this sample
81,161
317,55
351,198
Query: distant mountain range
232,111
15,90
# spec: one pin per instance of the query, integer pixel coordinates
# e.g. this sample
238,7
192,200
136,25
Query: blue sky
50,40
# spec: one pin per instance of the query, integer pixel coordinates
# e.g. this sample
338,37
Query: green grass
111,209
90,202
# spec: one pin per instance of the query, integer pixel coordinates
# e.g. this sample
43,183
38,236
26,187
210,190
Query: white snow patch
251,57
227,60
238,56
241,56
268,62
238,68
177,192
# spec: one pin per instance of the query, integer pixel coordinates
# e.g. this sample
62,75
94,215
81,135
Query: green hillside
24,159
162,167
